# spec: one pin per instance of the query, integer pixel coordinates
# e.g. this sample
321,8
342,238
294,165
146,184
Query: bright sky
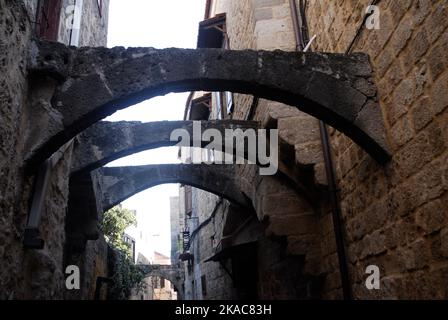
159,24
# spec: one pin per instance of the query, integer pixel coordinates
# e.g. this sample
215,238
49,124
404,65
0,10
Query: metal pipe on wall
300,27
296,25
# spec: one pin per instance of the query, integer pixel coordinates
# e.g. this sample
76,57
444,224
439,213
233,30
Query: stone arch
284,211
107,141
121,183
95,82
168,272
240,184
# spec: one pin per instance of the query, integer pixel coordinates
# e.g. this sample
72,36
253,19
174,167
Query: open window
200,107
212,32
131,242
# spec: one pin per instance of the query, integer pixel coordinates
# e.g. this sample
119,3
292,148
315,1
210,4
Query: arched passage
240,184
283,211
95,82
121,183
107,141
168,272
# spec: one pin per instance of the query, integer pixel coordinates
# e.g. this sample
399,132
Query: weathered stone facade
89,86
33,274
93,23
268,237
394,216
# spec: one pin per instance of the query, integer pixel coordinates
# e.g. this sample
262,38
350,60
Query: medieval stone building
393,215
27,272
362,175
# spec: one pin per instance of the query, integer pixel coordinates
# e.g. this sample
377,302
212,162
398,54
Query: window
219,109
224,102
188,201
155,283
131,242
229,101
48,17
76,23
212,32
200,107
162,283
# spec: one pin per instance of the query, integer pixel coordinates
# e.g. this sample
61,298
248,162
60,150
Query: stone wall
175,227
291,230
202,245
267,25
29,274
15,33
90,20
217,281
395,216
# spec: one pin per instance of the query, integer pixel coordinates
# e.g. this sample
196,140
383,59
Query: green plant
115,222
126,274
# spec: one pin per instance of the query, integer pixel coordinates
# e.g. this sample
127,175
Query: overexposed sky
159,24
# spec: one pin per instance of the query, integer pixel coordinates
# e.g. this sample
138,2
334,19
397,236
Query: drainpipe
188,105
336,212
300,31
296,25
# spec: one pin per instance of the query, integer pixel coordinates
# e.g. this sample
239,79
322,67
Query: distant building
147,293
163,289
289,251
155,287
141,239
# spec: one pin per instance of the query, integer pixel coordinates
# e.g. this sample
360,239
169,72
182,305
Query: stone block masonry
394,213
296,79
395,216
27,274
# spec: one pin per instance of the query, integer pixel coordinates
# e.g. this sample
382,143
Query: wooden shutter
49,13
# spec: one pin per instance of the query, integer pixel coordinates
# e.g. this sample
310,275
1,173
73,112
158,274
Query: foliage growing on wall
115,222
126,275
